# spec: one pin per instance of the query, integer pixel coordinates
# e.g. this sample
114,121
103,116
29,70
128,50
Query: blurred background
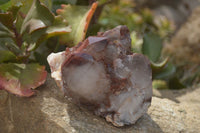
162,30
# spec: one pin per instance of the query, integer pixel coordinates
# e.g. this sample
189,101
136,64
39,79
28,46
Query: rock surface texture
50,112
102,74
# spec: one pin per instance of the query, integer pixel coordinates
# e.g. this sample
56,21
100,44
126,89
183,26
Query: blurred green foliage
148,32
29,32
140,20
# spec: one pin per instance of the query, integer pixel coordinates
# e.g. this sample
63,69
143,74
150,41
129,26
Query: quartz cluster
102,74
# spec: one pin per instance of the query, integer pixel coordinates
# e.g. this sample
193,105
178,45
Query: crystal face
102,74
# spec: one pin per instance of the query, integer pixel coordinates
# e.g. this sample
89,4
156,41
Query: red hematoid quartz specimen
103,74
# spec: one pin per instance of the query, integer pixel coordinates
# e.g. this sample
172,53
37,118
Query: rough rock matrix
50,112
102,74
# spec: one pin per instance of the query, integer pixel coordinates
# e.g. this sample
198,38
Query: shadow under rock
73,118
83,120
174,94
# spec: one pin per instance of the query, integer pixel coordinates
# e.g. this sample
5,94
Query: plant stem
18,37
57,47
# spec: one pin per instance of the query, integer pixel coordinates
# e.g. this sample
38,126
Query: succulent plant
25,27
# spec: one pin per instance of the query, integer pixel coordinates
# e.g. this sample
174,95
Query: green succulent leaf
166,72
79,18
38,17
19,79
8,44
6,56
152,46
14,10
5,6
8,18
157,67
3,1
5,32
42,26
59,27
28,3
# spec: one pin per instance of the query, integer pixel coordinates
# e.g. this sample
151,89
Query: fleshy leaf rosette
102,74
23,28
